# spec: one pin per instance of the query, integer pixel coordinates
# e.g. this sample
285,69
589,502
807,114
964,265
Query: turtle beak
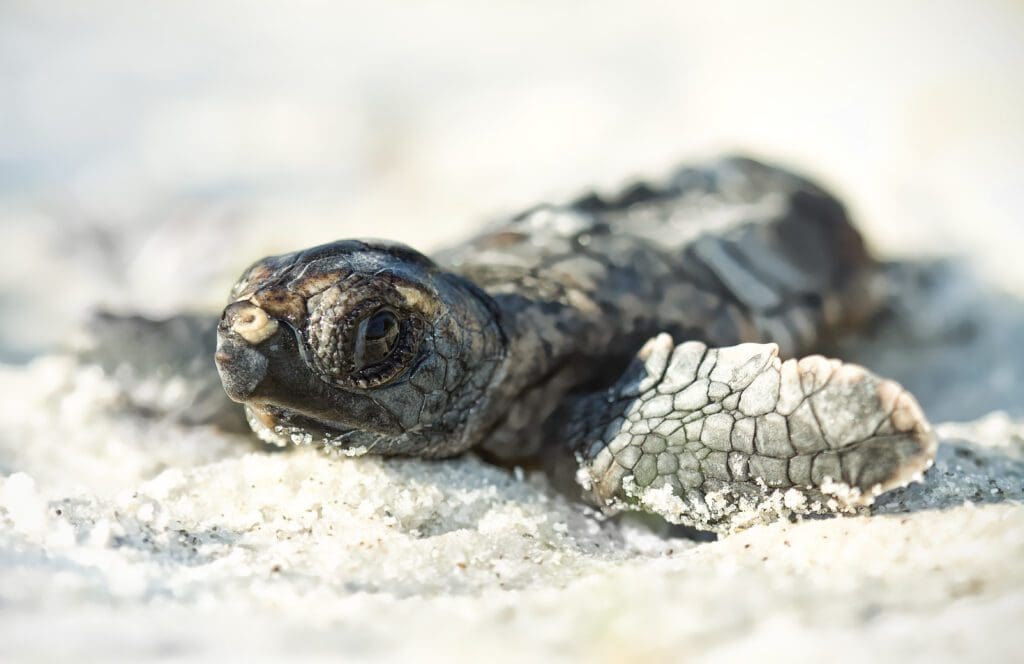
242,367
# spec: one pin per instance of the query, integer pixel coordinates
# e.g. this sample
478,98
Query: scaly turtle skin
550,336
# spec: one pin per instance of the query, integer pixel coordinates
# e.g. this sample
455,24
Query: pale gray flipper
721,438
164,367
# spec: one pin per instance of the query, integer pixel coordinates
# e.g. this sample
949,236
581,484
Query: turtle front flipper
721,438
164,367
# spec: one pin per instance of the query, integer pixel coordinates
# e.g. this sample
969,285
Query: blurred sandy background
148,151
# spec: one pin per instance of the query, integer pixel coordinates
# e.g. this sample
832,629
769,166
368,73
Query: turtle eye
376,337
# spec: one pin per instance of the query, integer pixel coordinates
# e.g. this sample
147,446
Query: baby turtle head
358,345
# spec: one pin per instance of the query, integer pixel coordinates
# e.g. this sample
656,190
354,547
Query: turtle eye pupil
376,338
380,326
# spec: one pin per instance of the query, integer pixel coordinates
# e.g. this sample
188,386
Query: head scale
359,346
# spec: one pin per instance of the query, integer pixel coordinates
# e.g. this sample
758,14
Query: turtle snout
240,364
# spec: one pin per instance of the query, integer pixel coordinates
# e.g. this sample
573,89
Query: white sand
150,155
127,537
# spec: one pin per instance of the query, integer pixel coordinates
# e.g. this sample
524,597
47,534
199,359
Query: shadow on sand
956,344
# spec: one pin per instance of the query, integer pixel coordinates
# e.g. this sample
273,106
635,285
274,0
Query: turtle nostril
251,323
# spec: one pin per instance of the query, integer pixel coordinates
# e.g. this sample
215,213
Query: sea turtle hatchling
637,345
640,339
